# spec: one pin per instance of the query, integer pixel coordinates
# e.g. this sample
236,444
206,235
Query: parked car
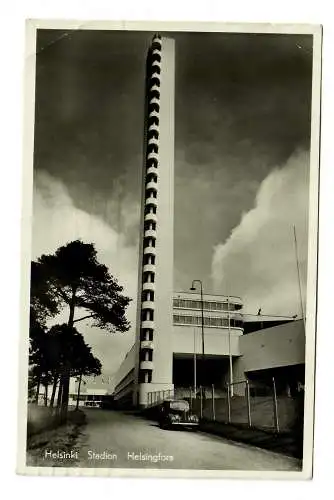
176,413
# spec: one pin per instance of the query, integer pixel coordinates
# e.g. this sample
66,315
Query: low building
237,347
94,391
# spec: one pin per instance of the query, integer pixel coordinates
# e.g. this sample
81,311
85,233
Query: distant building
93,390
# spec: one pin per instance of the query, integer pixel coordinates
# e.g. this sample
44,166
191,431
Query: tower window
153,148
150,209
148,259
148,277
150,225
149,242
151,193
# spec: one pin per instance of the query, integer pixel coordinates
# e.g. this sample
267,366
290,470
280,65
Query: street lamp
193,288
229,346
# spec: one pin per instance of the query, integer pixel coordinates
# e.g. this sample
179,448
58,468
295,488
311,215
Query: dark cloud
242,107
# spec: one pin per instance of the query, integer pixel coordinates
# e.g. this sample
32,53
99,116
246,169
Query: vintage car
176,413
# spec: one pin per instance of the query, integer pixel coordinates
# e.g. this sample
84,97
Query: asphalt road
116,439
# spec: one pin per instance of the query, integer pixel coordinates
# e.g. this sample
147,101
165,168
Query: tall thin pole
203,367
195,364
202,311
229,345
78,395
275,405
299,277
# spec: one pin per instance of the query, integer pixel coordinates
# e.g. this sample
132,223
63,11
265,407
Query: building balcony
150,233
150,251
157,63
156,76
152,154
151,287
154,100
147,324
152,185
153,127
151,170
156,43
153,140
156,52
147,304
151,201
153,114
146,365
151,217
155,88
146,344
149,268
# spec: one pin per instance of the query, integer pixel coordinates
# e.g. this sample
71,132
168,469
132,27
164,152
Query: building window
152,148
148,295
150,225
147,315
150,209
149,242
148,277
148,259
151,178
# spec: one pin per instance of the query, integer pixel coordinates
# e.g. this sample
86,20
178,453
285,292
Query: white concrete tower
154,356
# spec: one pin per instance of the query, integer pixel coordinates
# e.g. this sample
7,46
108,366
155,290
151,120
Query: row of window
179,319
208,306
153,110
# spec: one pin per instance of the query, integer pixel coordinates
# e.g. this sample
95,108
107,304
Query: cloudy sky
241,160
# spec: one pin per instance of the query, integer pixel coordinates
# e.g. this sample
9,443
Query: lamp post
201,289
229,346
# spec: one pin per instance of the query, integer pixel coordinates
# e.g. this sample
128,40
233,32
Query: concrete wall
216,340
275,347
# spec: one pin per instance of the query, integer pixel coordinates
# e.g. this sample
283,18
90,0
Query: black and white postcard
169,260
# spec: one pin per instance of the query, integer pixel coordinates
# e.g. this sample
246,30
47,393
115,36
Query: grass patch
62,438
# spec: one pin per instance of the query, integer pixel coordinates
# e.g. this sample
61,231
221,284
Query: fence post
228,402
275,406
248,404
213,403
201,401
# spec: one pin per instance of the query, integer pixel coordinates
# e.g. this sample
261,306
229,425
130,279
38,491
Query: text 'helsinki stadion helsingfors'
172,327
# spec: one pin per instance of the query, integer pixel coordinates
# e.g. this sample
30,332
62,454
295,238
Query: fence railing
246,403
156,397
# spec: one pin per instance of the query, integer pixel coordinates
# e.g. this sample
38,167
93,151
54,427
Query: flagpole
299,277
229,346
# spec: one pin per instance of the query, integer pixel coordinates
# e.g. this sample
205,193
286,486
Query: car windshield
179,405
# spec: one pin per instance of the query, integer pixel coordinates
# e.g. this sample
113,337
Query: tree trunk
54,388
46,395
78,395
60,391
67,368
37,390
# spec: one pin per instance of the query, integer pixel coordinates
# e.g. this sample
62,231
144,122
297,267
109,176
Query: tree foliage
71,277
53,350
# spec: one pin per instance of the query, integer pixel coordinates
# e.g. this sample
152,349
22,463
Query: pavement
122,440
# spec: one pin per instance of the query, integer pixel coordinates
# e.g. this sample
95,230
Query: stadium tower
154,352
